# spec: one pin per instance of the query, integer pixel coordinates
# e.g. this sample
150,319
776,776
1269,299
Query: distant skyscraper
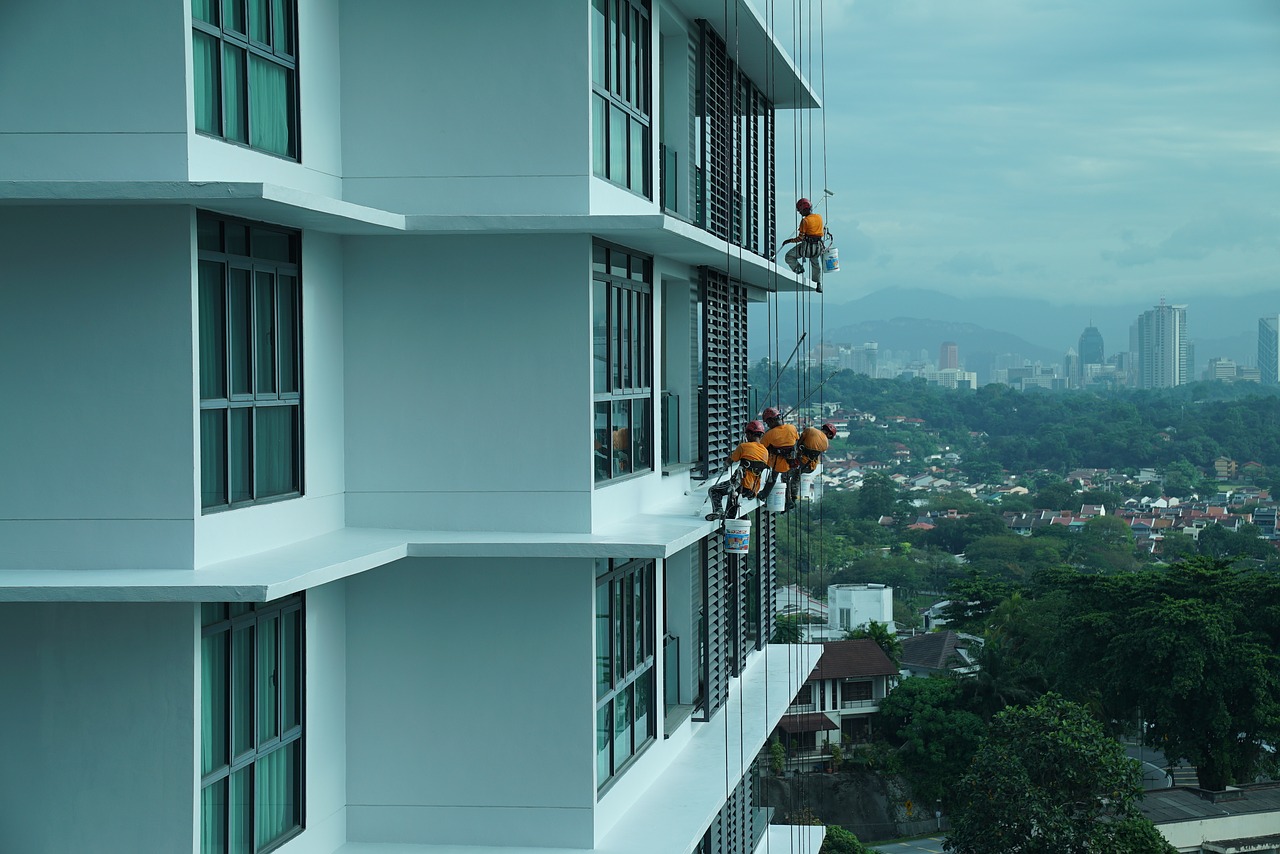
1163,350
948,356
1090,350
1269,349
1071,369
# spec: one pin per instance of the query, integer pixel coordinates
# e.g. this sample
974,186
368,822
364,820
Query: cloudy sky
1085,152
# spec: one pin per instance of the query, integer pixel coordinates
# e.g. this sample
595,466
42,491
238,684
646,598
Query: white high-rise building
1164,354
289,559
1269,349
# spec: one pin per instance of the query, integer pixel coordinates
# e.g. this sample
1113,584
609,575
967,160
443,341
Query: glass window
620,69
251,678
625,629
250,365
245,72
622,317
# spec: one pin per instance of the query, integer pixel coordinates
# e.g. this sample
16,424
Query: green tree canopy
1190,649
934,734
1046,779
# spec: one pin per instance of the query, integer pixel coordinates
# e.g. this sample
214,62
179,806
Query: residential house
836,703
252,255
1224,468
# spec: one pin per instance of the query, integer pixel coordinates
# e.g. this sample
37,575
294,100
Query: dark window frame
633,652
282,275
623,360
626,86
230,618
280,50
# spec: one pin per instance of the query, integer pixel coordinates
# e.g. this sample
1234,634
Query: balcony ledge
653,232
268,575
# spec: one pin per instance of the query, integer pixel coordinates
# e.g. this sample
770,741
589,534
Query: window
622,321
625,644
855,692
251,721
846,618
620,81
250,363
245,68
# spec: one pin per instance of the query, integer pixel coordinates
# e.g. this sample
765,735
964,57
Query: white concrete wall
98,444
89,91
672,102
469,731
98,724
866,602
457,108
1188,835
248,530
325,738
468,383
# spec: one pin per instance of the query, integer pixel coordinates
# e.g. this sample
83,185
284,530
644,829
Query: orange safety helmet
756,427
803,206
830,430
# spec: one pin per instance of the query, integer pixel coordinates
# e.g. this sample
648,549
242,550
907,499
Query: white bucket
807,481
777,500
831,260
737,536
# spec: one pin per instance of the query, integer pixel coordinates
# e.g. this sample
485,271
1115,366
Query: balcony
871,705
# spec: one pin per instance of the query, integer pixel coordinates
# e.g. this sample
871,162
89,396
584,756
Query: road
932,845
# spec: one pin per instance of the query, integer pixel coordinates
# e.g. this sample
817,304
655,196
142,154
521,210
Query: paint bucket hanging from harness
831,260
737,536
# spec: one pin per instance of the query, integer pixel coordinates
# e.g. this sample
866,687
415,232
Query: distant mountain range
913,319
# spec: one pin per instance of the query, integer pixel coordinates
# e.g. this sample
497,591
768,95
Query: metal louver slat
715,674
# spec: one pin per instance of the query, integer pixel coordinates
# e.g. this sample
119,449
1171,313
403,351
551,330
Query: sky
1091,152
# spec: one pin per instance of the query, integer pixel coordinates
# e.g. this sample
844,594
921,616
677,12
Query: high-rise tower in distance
1269,349
1091,351
948,356
1163,349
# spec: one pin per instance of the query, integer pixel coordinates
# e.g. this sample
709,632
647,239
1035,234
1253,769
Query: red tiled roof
850,658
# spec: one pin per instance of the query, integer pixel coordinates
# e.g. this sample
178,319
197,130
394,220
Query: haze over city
1086,153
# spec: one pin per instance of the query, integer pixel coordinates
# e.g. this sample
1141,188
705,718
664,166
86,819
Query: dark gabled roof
814,722
934,650
852,658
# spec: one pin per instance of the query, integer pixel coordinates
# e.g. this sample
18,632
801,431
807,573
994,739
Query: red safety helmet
771,413
756,427
803,206
830,430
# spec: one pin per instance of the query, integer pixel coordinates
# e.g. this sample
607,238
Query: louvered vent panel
766,525
715,673
717,132
725,389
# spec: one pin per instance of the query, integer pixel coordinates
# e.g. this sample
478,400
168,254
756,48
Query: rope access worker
753,461
780,441
808,243
813,443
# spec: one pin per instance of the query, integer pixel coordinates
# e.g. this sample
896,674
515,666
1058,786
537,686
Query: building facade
288,277
1269,349
1164,353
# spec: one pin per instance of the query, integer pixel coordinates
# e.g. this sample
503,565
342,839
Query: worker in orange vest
808,243
753,461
